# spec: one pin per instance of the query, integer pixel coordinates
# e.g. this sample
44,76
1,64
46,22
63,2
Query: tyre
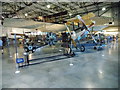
95,48
81,48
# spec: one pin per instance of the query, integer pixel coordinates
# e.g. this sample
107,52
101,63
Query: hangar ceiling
56,10
65,10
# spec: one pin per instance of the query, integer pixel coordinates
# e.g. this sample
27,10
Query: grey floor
89,69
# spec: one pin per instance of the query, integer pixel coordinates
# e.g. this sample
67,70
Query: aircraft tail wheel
95,48
82,48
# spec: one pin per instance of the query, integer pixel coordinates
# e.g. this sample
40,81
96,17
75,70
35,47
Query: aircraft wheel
82,48
95,48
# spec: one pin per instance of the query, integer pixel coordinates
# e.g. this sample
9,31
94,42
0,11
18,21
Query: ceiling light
70,14
26,14
103,9
48,6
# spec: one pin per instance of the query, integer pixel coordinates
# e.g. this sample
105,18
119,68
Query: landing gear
81,48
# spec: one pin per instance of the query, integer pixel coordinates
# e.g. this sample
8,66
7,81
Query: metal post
15,45
73,26
27,57
17,66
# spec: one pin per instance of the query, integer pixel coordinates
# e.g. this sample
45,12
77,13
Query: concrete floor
89,69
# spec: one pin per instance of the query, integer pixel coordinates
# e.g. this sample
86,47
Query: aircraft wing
88,16
86,19
42,26
33,25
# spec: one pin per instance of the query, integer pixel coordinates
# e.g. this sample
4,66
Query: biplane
80,29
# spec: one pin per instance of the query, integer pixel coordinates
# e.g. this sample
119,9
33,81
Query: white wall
8,30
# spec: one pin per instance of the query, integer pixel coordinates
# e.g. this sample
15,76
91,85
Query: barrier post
16,51
26,54
27,57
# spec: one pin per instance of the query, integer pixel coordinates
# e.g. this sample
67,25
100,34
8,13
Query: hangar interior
59,44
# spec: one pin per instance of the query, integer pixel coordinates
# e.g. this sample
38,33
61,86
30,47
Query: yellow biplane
83,24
